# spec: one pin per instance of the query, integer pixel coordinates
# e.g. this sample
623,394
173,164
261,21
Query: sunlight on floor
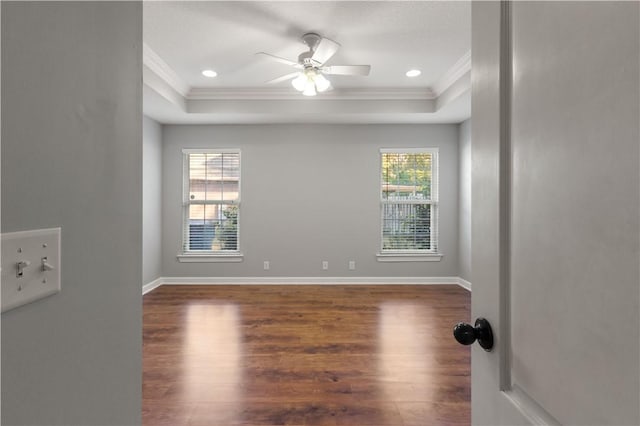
212,355
404,353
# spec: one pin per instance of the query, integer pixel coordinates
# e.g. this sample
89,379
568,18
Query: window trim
197,256
191,257
412,255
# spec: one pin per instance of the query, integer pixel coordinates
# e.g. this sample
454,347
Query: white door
555,206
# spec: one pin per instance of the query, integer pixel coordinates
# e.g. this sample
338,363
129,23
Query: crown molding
410,93
156,64
162,88
455,73
457,89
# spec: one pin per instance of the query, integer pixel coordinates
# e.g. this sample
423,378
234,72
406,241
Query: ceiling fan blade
283,78
325,50
347,70
279,59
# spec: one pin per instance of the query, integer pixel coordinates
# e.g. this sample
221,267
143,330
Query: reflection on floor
305,355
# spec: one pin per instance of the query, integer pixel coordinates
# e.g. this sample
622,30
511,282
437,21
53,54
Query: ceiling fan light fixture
321,82
310,89
300,82
310,82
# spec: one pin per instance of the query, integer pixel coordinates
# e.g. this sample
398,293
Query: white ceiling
183,38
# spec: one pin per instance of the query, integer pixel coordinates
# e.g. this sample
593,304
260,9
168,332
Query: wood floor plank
365,355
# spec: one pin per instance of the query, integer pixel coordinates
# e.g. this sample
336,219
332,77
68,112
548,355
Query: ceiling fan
310,79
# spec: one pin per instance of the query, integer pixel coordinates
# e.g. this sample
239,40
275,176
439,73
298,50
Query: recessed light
209,73
413,73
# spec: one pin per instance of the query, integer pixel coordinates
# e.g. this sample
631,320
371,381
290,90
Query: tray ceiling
184,38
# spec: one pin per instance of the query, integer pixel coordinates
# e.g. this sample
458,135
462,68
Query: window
409,201
211,205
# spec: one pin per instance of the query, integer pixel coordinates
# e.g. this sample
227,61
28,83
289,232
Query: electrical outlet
266,265
325,265
352,265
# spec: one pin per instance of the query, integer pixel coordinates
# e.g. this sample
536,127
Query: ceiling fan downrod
312,40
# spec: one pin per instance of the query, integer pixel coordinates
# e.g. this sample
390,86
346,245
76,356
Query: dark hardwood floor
305,355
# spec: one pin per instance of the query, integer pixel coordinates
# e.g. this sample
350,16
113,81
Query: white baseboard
464,283
305,281
152,285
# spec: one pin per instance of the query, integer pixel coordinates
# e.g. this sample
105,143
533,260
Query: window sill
210,258
409,257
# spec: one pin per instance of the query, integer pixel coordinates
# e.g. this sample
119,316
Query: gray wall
151,200
310,193
464,203
71,156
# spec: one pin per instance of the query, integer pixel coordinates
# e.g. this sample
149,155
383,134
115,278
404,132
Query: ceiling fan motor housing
305,59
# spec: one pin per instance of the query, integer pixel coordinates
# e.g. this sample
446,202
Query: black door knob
466,334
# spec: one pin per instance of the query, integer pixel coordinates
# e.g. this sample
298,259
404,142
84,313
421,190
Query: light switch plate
30,266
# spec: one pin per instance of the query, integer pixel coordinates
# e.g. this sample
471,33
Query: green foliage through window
408,207
227,230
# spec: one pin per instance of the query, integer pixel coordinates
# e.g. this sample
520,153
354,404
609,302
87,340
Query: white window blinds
211,205
409,200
